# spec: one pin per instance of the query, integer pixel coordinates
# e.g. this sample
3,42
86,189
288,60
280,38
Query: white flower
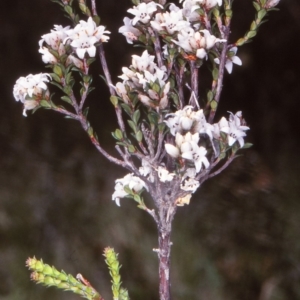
88,29
188,182
235,130
134,183
131,33
197,42
197,155
74,60
84,36
47,57
169,21
208,4
122,92
164,175
55,38
271,3
146,170
143,12
31,86
84,45
145,62
231,59
220,126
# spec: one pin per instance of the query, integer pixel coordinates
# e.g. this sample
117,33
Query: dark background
239,237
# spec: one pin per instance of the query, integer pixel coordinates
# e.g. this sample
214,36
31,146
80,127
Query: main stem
164,225
164,255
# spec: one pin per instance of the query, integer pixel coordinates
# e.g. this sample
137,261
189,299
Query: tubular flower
134,183
143,12
197,42
30,90
131,33
84,36
231,59
235,129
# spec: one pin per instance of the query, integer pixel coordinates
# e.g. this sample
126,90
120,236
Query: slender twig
110,86
179,71
219,85
85,86
194,83
85,125
94,8
157,46
226,164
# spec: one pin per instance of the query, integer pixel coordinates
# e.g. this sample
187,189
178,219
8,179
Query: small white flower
164,175
231,59
143,12
145,62
146,170
134,183
47,57
27,89
208,4
197,155
84,45
235,130
74,60
197,42
55,38
84,36
131,33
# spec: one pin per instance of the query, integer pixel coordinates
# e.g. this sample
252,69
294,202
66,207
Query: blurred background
239,237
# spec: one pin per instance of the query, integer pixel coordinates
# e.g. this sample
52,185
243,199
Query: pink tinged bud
272,3
172,150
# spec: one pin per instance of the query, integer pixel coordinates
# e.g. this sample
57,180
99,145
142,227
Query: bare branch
157,46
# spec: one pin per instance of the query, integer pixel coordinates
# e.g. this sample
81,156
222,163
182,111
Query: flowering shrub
167,135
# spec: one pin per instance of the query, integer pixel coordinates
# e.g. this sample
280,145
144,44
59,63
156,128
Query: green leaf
58,70
114,100
86,111
261,13
131,149
68,9
251,34
247,145
118,134
256,6
136,116
55,77
215,74
139,136
213,104
126,108
45,104
132,125
210,96
66,99
96,19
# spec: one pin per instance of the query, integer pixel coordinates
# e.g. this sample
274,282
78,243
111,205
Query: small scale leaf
114,100
66,99
139,136
136,116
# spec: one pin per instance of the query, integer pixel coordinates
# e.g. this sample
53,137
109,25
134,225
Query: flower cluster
177,26
187,125
82,39
147,79
30,90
